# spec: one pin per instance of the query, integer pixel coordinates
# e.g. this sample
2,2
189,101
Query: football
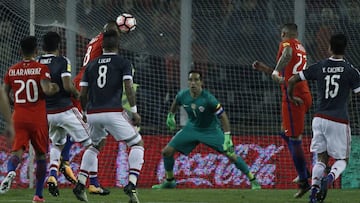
126,22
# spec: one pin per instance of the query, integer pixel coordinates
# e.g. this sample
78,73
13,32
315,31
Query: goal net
226,37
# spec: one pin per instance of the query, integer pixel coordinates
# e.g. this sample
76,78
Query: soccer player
30,82
203,126
101,90
335,78
63,118
94,50
291,59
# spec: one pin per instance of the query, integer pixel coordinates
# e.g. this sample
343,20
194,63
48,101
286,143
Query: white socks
89,163
55,154
317,173
136,160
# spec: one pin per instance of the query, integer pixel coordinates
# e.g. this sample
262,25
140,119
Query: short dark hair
111,25
110,40
195,71
51,41
290,28
28,45
338,44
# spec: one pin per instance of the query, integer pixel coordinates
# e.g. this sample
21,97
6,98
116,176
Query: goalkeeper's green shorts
188,138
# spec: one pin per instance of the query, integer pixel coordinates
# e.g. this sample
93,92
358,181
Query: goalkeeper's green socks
169,175
240,164
250,176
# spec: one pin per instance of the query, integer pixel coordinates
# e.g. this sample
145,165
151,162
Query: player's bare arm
130,95
262,67
290,90
225,122
5,105
174,107
69,87
7,89
284,59
6,112
48,87
83,101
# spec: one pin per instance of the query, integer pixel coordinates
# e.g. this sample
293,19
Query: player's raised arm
262,67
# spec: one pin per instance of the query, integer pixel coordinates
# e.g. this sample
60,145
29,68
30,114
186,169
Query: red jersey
94,50
296,64
29,100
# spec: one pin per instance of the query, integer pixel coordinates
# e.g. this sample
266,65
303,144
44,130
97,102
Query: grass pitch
187,196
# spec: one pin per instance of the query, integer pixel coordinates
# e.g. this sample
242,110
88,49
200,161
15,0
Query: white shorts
68,123
331,136
115,123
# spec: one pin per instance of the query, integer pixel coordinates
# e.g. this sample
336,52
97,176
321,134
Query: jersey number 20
27,86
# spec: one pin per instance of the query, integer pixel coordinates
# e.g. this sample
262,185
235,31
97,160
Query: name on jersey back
104,60
21,72
337,69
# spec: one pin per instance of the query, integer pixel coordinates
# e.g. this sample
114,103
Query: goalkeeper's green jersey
202,111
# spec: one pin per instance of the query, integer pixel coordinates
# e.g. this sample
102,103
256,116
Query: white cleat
6,183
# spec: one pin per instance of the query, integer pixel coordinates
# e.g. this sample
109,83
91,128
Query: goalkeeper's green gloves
170,121
228,144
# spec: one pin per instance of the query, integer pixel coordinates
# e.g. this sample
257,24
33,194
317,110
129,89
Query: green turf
187,196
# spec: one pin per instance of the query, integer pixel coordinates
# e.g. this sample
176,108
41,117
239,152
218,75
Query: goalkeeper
203,126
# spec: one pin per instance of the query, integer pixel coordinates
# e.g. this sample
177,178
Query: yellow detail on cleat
98,190
67,171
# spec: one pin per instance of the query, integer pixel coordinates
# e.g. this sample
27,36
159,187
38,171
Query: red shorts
37,134
293,117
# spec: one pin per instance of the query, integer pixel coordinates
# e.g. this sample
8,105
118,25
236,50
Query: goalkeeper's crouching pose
203,126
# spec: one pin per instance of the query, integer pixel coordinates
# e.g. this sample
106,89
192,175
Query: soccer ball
126,22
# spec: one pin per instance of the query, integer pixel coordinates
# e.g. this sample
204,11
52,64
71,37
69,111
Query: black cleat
130,190
304,186
80,193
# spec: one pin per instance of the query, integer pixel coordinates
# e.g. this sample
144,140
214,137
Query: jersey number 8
101,80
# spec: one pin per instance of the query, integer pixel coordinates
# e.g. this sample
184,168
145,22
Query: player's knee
168,151
140,143
86,143
40,156
296,138
323,157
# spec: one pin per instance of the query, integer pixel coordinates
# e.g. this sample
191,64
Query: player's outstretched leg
6,183
65,169
130,190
